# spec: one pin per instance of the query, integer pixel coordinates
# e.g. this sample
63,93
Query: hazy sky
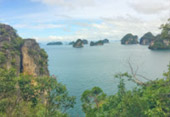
50,20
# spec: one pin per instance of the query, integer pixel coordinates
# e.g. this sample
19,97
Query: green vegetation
17,43
150,99
24,95
55,43
43,54
92,100
165,34
27,96
2,58
6,46
147,38
163,40
129,39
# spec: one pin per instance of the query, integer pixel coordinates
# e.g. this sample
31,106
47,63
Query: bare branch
135,74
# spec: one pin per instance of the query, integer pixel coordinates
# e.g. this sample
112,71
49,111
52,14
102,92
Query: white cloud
108,18
112,28
67,3
38,26
150,6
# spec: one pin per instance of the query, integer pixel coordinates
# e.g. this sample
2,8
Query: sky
67,20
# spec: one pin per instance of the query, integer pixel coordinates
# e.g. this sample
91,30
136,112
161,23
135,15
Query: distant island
78,44
105,41
129,39
162,41
147,39
84,41
71,43
55,43
99,43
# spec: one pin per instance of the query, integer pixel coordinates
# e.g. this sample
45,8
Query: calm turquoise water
81,69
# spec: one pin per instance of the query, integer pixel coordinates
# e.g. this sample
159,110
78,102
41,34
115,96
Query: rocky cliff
147,38
34,59
97,43
162,40
24,55
129,39
78,44
10,44
85,41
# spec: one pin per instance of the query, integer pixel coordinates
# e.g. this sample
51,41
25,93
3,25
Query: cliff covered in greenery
26,89
129,39
147,38
78,44
24,55
163,40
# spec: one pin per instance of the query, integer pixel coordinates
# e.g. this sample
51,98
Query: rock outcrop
78,44
105,41
159,43
10,44
25,56
97,43
162,41
55,43
34,59
85,41
129,39
147,38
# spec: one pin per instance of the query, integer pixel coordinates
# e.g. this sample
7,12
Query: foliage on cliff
28,96
148,100
129,39
26,90
24,55
10,44
147,38
34,59
163,40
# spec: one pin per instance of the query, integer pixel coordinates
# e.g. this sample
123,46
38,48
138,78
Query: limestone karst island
84,58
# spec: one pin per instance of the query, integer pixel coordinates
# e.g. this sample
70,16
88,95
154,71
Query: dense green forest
28,96
148,99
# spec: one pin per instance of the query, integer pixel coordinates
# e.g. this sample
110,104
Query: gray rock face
129,39
147,38
10,44
23,55
78,44
98,43
34,59
105,41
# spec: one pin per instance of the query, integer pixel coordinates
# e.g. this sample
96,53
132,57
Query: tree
26,95
92,100
148,100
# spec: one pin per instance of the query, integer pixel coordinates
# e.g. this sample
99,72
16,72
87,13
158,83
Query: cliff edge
24,55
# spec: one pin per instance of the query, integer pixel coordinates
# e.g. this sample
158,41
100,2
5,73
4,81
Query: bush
28,96
2,58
